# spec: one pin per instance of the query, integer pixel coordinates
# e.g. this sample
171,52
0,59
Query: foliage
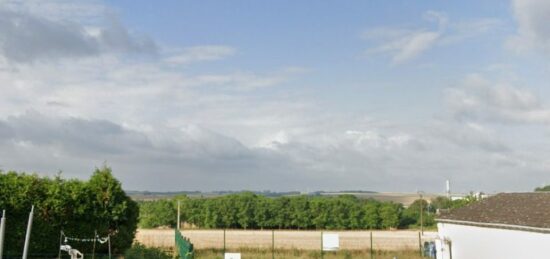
79,208
139,251
445,203
543,189
251,211
390,214
411,215
153,214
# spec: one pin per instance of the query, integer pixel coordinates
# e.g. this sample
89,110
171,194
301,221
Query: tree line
251,211
78,208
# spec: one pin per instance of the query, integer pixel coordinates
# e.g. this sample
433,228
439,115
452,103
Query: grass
301,254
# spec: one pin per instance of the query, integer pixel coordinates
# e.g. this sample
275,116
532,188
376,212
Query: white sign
232,256
331,242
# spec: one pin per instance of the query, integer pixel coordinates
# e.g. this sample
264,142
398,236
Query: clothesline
101,240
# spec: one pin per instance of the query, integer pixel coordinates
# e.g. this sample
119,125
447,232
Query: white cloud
58,10
533,28
29,37
201,53
243,81
163,127
481,99
372,139
405,44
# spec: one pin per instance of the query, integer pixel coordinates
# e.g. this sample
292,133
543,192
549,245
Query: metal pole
272,244
371,248
419,243
2,231
179,222
224,241
421,212
93,249
322,245
28,235
109,241
60,241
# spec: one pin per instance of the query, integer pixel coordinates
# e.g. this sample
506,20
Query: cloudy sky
279,95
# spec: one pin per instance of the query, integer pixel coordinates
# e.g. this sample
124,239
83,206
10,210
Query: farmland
300,254
284,239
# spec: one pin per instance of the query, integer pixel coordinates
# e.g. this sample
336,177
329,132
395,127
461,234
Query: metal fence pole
179,222
109,240
420,243
322,254
28,235
2,231
272,244
224,241
93,249
60,242
176,247
371,249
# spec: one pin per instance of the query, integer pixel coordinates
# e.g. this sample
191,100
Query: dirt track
285,239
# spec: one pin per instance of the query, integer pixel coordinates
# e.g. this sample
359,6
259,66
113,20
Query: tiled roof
516,209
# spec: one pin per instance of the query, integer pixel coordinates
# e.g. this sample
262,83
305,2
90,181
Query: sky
279,95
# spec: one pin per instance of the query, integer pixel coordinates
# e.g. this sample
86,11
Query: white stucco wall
469,242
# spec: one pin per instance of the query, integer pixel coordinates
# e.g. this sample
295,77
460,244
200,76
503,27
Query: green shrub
139,251
78,208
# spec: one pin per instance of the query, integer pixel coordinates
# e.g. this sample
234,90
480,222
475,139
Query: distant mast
448,189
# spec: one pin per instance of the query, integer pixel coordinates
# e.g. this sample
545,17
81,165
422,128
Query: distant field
285,239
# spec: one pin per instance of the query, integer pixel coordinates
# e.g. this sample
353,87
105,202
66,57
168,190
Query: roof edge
495,225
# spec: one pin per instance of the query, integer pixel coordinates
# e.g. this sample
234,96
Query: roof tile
520,209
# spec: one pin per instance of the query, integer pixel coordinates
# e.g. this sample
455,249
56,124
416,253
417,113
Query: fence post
322,254
272,244
224,241
178,219
60,242
109,242
93,249
420,243
28,235
371,249
2,230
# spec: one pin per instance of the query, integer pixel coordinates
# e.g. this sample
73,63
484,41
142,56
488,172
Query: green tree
371,214
245,203
543,189
78,208
300,217
320,211
282,212
411,215
263,214
153,214
390,214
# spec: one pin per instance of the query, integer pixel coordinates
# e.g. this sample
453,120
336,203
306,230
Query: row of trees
543,189
251,211
79,208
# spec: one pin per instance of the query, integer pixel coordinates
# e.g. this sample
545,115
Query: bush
139,251
78,208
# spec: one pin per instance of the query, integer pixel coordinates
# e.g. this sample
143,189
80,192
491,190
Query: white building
504,226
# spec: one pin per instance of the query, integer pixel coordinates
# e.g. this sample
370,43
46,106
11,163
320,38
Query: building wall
469,242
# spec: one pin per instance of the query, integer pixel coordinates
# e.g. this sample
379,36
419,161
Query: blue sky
279,95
